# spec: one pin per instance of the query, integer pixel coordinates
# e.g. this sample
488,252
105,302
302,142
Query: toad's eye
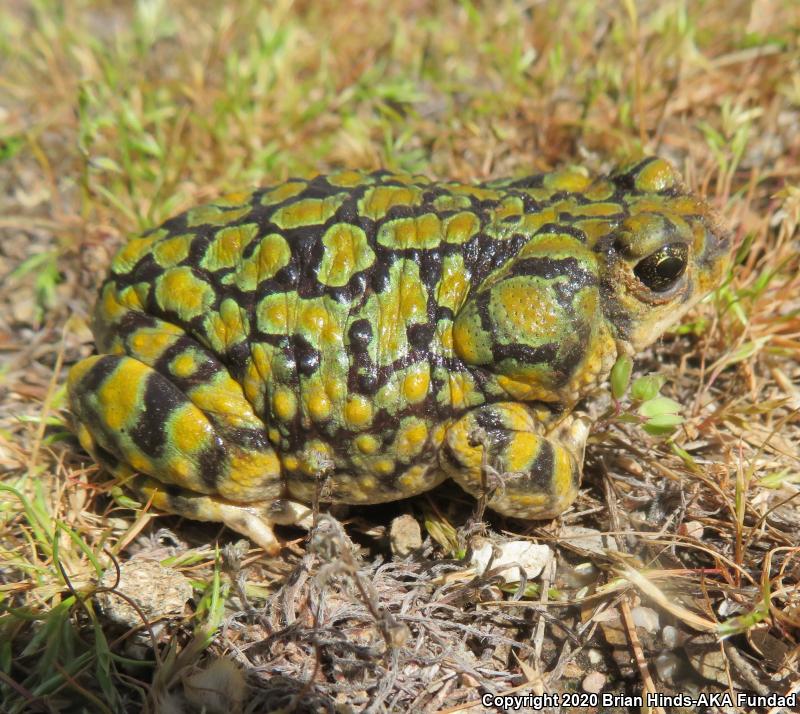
659,271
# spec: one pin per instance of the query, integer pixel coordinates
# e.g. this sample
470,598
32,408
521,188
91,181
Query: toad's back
341,326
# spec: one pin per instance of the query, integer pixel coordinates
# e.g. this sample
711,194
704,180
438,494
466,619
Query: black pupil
660,270
669,268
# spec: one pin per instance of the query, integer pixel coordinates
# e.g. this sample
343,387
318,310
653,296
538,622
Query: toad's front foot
501,452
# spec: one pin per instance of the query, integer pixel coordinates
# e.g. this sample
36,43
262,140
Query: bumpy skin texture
358,338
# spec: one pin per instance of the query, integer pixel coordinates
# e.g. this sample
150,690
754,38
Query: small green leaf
621,376
663,424
647,387
778,479
658,406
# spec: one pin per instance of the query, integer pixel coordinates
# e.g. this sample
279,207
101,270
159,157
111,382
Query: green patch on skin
307,211
450,202
178,290
403,303
453,286
171,251
460,227
226,327
419,232
214,215
271,254
134,250
226,248
281,193
377,200
346,253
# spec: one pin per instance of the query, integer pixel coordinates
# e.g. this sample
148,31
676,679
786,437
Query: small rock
646,618
593,682
158,592
691,529
667,664
705,656
595,656
669,636
587,540
405,535
509,557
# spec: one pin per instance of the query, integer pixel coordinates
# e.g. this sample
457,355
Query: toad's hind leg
501,451
196,437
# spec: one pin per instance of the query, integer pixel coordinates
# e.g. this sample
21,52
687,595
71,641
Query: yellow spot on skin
274,435
184,365
346,179
453,287
524,390
226,328
574,180
172,251
225,250
234,198
180,291
367,484
347,252
284,404
133,251
313,317
116,303
553,245
290,462
271,254
367,444
418,232
527,308
416,383
466,343
148,344
469,457
335,388
317,403
257,374
223,398
482,194
600,190
287,190
521,451
416,480
410,439
511,206
307,212
449,202
276,315
658,175
384,466
379,199
593,209
562,481
460,227
444,329
358,412
438,434
461,392
189,430
403,303
214,215
253,475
